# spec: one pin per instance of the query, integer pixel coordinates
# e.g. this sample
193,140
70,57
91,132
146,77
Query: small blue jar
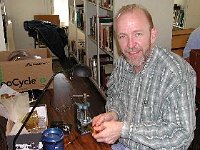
53,139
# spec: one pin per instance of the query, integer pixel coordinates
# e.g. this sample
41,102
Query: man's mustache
133,49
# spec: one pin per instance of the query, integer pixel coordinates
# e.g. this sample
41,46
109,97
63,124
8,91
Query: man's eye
122,36
138,34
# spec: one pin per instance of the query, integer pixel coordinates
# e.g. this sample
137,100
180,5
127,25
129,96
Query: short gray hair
132,7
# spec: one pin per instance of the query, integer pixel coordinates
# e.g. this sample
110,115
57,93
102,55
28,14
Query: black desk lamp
79,70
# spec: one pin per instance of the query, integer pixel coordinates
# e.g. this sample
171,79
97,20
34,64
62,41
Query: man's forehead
131,17
130,12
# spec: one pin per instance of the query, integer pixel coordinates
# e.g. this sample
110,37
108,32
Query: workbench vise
82,116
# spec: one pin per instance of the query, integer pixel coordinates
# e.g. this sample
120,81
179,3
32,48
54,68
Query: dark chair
194,60
195,63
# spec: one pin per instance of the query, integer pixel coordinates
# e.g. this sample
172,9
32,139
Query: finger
110,141
106,140
96,120
98,127
100,121
98,135
100,140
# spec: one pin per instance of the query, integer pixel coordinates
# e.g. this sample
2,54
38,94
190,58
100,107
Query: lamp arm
33,108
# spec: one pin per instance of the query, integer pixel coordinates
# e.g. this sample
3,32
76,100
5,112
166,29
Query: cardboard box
23,75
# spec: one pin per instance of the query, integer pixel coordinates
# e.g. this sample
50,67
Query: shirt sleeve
113,101
175,130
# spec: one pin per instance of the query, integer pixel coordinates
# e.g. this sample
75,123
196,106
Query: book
106,36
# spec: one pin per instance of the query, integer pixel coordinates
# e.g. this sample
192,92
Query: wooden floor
98,102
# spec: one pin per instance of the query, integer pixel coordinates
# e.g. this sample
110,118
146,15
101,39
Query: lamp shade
81,70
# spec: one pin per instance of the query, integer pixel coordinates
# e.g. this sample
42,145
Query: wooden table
60,108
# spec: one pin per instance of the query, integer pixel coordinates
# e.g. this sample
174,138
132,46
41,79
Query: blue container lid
52,135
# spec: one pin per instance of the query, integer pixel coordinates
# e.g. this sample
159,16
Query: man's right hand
108,116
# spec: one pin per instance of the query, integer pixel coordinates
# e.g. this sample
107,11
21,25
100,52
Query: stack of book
79,15
93,1
106,33
106,3
106,66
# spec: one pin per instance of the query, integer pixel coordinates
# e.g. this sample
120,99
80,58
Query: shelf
105,8
75,57
98,88
81,30
98,40
92,39
93,3
110,53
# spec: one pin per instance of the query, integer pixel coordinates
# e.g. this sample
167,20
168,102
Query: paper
16,104
7,90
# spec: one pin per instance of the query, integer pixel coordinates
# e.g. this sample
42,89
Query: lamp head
81,70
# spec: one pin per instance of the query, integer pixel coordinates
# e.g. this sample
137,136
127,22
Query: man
151,92
192,43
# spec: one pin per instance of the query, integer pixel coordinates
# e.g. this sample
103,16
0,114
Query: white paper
7,90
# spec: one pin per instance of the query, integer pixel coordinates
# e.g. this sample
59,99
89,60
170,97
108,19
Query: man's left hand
110,133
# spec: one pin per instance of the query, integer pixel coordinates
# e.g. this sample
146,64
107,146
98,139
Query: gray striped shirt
157,105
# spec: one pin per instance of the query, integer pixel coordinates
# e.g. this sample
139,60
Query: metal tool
83,118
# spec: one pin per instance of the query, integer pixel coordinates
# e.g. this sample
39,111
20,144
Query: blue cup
53,139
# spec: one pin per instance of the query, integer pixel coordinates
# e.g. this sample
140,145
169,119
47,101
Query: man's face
135,37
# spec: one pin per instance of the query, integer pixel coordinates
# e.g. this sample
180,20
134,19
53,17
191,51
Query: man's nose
131,42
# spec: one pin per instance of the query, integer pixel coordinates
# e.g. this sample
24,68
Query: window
61,8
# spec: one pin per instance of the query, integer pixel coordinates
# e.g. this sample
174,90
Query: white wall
2,40
23,10
192,14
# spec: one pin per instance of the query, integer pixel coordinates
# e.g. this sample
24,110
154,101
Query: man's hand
109,132
108,116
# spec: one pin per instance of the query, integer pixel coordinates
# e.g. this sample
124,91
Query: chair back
195,63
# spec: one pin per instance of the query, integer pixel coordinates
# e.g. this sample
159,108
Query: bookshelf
186,14
178,16
76,31
99,40
101,50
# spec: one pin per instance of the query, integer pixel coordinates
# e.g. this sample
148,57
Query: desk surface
60,108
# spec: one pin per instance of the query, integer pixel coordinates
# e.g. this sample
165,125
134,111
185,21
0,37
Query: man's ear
154,35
